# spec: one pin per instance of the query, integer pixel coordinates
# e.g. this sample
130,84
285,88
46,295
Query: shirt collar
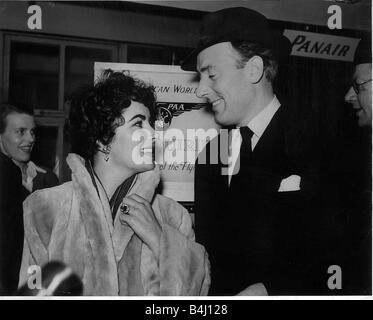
260,122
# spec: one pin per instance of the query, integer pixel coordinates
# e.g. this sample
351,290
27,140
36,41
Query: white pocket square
291,183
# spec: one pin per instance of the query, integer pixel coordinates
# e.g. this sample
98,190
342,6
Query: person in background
17,139
359,94
357,197
18,177
108,224
11,224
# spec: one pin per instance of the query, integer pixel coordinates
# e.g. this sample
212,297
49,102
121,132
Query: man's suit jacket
11,225
252,232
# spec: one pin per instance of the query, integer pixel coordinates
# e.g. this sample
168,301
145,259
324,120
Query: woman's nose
30,137
150,133
150,130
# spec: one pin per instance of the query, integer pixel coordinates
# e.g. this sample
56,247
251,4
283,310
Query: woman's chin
145,167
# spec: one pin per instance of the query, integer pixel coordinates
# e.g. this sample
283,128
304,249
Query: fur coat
71,223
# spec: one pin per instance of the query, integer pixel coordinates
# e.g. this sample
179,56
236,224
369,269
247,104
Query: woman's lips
26,149
148,151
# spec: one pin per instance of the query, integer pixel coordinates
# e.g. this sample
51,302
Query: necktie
245,150
246,135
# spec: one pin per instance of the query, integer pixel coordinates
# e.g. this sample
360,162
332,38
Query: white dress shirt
257,125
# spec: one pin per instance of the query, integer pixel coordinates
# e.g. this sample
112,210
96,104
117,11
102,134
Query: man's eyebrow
206,68
138,116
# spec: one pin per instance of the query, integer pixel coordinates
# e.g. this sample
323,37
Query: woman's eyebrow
138,116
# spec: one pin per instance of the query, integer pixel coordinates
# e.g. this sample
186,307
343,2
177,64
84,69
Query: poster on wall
183,121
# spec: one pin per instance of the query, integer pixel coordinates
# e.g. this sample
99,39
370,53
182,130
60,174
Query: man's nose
350,95
202,90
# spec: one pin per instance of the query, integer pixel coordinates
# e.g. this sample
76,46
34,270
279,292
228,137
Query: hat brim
281,48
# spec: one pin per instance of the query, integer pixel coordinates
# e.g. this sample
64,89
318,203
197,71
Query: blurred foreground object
57,280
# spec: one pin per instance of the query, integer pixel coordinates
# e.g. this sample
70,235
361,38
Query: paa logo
167,110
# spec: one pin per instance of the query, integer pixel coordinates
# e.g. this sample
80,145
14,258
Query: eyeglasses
357,86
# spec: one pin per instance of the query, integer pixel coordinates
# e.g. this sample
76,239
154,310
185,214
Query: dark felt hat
363,53
237,24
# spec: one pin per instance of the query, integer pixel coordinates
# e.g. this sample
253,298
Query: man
357,204
253,224
18,177
360,92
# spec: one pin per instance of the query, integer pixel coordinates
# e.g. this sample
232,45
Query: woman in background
108,224
19,177
17,140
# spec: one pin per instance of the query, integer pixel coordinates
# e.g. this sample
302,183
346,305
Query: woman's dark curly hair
96,110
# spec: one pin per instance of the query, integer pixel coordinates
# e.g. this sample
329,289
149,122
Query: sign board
322,46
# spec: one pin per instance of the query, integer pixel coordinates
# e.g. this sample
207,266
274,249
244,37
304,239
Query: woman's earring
106,151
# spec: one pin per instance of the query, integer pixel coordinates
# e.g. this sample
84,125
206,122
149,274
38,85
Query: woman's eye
138,124
212,76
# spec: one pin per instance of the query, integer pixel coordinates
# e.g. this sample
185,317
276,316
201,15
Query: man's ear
255,69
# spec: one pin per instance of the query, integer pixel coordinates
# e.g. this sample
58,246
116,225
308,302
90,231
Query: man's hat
237,24
363,53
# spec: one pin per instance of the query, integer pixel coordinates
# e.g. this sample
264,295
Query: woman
108,224
18,178
17,140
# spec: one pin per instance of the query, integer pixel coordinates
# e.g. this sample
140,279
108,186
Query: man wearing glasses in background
358,212
360,93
